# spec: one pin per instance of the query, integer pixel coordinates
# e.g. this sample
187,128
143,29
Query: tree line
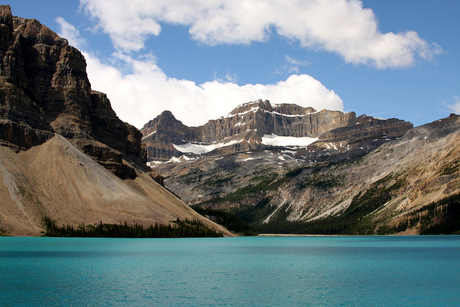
176,229
227,219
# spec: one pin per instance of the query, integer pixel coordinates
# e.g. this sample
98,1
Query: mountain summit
259,124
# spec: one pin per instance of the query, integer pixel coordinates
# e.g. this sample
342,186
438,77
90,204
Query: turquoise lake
245,271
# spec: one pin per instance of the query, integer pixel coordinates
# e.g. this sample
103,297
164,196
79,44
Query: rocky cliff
64,153
246,126
45,90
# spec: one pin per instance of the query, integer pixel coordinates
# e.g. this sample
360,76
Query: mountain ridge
245,127
375,184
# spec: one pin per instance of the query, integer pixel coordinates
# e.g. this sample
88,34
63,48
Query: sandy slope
57,180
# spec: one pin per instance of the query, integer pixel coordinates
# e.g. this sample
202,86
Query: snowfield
275,140
268,139
202,148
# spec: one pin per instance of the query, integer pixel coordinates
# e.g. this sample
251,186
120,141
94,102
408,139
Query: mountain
400,186
259,124
285,168
64,153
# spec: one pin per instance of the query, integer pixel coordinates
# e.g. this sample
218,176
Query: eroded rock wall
44,89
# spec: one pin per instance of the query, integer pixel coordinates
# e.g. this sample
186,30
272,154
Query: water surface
253,271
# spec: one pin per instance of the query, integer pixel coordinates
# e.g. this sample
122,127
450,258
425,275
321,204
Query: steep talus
58,180
64,153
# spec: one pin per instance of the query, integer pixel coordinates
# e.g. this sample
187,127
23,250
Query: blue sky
200,59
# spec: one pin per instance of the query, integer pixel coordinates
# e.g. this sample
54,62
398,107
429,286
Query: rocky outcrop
286,119
244,128
160,133
44,90
367,126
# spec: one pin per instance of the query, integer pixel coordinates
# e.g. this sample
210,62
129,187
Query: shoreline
296,235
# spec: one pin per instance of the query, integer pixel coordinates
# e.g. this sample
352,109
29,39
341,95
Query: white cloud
340,26
456,106
292,65
144,93
69,32
231,77
295,62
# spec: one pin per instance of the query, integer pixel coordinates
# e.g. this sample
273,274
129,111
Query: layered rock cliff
246,126
45,90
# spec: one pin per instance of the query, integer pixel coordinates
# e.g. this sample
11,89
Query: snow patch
182,158
201,148
275,140
154,163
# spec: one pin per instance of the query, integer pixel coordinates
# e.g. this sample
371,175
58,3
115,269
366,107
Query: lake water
245,271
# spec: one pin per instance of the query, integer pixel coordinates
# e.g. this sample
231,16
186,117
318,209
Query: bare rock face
244,128
64,153
161,133
367,126
22,123
44,89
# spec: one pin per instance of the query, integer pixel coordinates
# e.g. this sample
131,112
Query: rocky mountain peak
166,118
44,89
289,109
256,124
6,17
166,122
263,105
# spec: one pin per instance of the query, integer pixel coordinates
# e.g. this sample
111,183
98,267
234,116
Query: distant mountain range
259,124
289,169
366,176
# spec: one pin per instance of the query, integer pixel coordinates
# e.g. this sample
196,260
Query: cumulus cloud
144,93
343,27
